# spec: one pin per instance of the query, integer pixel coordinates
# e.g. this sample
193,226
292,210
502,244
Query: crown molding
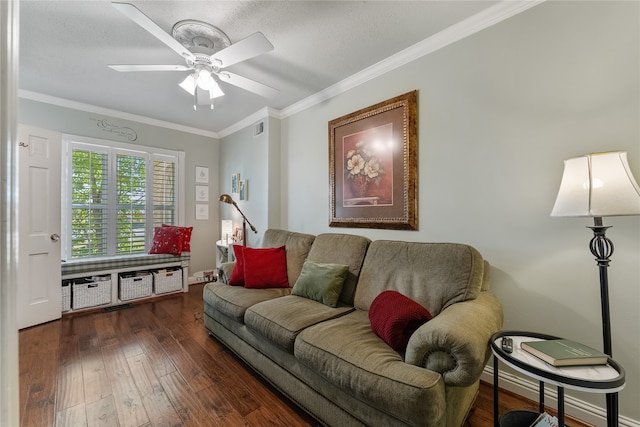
249,120
61,102
472,25
478,22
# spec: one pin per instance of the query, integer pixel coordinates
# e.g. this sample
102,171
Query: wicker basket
167,281
91,292
136,285
66,295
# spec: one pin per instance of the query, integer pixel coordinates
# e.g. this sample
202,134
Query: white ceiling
65,47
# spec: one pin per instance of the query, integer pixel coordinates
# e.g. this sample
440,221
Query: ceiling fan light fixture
205,79
189,84
215,91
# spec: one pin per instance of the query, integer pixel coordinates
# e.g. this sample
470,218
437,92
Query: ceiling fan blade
254,45
133,13
248,84
127,68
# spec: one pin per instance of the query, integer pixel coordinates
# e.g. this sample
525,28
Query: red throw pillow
186,236
395,317
265,268
167,240
237,275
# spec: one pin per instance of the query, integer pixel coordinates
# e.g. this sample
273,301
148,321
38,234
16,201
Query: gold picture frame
373,166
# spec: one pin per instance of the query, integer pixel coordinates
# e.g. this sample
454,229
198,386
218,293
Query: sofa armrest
225,270
455,343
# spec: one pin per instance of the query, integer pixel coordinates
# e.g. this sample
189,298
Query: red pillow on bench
395,317
186,236
167,240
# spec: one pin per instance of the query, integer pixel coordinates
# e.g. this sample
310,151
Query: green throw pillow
321,282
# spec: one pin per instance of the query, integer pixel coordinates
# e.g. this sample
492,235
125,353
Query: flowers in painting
363,162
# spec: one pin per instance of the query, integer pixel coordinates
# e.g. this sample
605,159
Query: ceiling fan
207,52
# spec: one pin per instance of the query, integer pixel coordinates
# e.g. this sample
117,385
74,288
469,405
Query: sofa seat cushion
281,320
233,301
346,352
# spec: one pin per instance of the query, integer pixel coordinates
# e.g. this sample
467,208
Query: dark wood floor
154,365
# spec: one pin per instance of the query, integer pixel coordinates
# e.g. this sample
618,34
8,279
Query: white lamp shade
597,185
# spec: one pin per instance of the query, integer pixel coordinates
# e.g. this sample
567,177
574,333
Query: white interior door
39,284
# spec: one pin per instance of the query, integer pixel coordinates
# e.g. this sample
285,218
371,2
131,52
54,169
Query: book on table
563,352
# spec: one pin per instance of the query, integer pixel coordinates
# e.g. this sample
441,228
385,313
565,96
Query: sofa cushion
321,282
435,275
265,268
233,301
347,353
346,249
281,319
394,318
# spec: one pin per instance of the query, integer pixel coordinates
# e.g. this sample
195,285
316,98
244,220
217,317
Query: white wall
498,114
199,151
248,155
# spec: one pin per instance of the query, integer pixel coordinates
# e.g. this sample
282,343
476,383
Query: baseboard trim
576,408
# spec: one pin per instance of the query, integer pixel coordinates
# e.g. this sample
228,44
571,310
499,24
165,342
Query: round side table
608,379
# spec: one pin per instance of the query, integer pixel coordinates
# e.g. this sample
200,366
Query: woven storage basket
90,293
138,286
66,295
167,281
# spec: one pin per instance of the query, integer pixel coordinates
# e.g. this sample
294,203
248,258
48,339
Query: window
115,195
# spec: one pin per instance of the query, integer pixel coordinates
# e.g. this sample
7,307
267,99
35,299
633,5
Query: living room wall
498,114
199,150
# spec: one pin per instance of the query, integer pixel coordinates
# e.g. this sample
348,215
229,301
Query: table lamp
226,230
225,198
597,185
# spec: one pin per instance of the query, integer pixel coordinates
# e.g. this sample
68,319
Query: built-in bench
114,266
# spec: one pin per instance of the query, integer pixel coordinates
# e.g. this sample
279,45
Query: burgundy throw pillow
186,236
395,317
237,275
167,240
265,268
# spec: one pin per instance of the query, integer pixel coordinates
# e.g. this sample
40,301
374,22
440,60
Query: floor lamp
598,185
225,198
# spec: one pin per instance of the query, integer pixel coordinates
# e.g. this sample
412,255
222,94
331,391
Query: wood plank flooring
153,364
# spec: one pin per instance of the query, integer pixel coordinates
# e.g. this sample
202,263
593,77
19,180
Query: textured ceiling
65,47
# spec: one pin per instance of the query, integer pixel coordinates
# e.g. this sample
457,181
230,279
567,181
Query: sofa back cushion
297,247
435,275
345,249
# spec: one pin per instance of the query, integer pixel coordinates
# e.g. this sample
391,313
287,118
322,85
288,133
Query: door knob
54,237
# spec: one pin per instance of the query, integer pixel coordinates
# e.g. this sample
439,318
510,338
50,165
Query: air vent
258,129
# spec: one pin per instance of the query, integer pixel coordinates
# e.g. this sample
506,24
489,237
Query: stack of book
545,420
562,352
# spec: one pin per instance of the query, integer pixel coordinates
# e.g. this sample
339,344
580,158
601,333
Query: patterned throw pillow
186,236
167,240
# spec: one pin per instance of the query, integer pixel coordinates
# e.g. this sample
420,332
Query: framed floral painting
373,166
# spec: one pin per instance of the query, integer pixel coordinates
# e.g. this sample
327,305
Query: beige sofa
330,362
